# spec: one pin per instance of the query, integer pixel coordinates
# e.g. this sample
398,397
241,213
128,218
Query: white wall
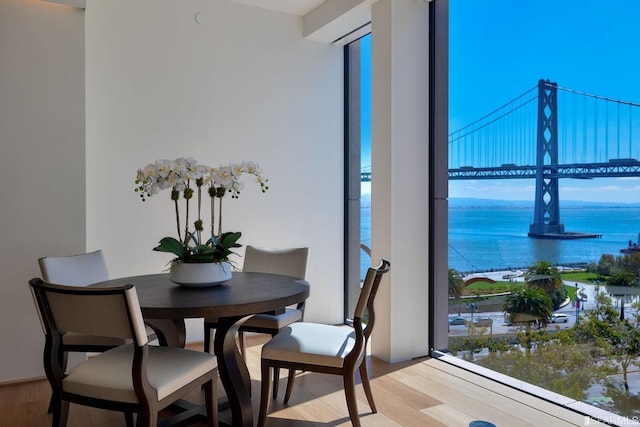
243,85
42,163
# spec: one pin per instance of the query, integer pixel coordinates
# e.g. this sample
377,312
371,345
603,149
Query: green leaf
230,239
174,246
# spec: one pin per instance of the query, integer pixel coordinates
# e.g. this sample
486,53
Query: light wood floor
424,392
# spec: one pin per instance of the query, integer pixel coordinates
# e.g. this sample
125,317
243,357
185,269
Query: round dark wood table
165,305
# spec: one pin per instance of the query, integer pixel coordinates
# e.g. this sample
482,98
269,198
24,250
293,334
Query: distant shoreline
470,202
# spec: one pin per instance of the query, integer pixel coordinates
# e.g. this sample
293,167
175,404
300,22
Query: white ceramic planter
198,275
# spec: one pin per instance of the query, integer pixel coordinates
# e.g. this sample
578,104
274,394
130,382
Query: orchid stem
175,202
213,204
186,216
199,210
220,218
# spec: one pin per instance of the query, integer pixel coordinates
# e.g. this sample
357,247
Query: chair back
108,312
368,294
288,262
76,270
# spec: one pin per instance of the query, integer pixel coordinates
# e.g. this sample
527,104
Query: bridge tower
546,216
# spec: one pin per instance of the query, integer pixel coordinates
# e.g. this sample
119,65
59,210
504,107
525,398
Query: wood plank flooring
424,392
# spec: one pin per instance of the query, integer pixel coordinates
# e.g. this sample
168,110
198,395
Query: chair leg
63,357
290,381
276,375
210,394
128,419
146,417
50,408
276,381
265,370
364,377
352,404
60,413
153,419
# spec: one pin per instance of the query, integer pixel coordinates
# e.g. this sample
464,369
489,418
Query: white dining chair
81,270
328,349
132,378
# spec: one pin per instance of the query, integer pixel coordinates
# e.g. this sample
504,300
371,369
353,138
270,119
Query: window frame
352,168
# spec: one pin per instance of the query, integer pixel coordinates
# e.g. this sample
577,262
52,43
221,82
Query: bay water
485,236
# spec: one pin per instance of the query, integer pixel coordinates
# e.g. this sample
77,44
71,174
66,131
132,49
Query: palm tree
543,275
456,285
528,304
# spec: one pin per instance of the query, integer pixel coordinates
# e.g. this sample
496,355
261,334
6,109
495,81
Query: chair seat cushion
108,375
311,343
273,321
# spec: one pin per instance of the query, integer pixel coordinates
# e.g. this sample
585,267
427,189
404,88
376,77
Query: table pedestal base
233,372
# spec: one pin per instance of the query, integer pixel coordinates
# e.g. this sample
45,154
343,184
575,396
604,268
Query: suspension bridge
548,133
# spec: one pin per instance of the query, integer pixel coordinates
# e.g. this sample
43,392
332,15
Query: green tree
629,263
476,339
571,375
606,265
558,297
528,304
456,286
618,338
545,276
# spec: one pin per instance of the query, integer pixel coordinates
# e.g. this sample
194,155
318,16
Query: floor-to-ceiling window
358,166
544,165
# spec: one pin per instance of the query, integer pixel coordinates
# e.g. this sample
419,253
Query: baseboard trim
22,381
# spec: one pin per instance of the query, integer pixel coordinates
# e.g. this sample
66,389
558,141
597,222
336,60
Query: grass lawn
580,277
484,288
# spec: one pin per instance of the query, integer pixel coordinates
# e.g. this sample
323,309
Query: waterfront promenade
499,325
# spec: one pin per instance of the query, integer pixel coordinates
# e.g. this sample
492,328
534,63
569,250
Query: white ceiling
293,7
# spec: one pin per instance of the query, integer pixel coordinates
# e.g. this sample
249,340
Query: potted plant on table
200,261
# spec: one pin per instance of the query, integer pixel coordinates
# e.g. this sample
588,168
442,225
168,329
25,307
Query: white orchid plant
184,177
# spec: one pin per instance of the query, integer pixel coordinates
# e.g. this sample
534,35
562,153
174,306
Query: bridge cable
604,98
465,258
488,123
630,131
618,136
494,111
606,129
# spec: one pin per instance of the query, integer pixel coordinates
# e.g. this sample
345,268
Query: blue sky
365,100
501,48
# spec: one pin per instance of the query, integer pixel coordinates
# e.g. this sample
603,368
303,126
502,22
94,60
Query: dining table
165,306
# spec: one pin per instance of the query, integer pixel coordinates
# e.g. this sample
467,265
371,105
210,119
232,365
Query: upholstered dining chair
132,378
80,270
328,349
288,262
